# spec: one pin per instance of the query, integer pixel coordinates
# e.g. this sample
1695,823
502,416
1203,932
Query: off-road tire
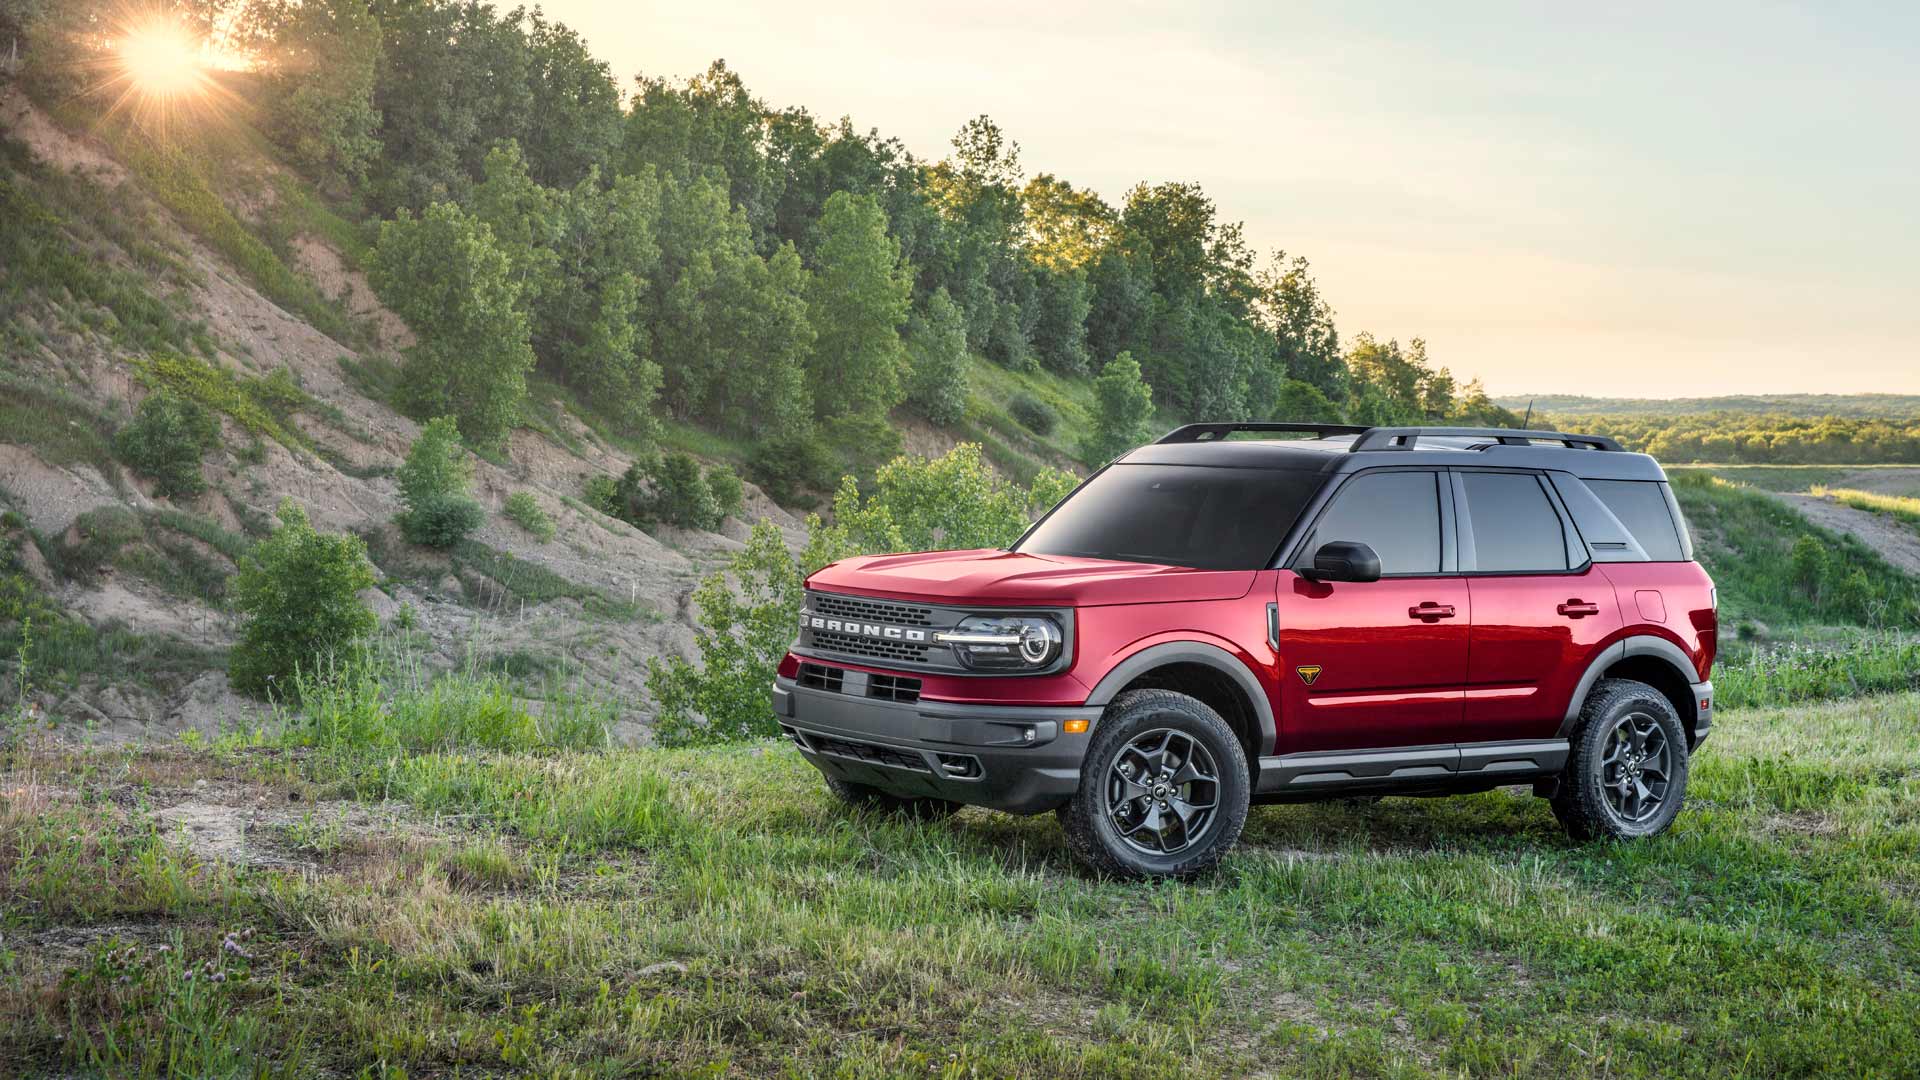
873,800
1581,801
1092,835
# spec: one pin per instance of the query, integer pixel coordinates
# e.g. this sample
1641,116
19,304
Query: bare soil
1896,542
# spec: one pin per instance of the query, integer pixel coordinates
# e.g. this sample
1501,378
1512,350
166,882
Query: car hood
1010,579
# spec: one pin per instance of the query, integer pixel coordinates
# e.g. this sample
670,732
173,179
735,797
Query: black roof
1341,449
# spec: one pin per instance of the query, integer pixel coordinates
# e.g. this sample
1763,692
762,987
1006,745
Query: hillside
115,269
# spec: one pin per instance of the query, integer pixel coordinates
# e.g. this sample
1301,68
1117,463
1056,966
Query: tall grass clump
1800,671
376,701
1900,507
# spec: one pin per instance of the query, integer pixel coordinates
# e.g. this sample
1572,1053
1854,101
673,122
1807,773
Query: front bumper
1019,759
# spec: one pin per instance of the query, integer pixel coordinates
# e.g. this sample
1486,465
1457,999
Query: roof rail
1212,432
1405,438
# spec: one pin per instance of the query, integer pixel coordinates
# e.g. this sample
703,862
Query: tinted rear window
1642,507
1181,515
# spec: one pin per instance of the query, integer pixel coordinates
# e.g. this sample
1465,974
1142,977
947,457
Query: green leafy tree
166,440
746,619
298,595
1298,399
442,273
1063,300
433,488
937,360
1122,405
957,500
856,301
681,494
318,63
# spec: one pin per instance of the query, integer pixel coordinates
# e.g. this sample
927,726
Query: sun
161,61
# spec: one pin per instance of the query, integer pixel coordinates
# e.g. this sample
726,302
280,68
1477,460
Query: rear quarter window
1644,508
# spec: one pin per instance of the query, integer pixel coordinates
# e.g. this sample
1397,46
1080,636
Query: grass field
705,913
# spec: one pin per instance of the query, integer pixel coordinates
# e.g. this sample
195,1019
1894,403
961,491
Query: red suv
1213,621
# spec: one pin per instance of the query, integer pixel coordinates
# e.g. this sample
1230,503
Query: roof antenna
1527,422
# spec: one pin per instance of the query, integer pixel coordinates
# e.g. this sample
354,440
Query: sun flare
162,61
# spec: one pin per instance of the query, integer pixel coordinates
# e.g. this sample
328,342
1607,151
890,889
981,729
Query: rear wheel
1163,789
862,797
1626,772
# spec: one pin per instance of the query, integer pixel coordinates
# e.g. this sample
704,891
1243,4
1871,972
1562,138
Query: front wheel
1163,790
1626,770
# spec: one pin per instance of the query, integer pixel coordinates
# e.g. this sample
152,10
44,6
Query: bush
433,484
681,495
524,510
789,467
298,596
742,634
728,492
1033,414
166,440
602,492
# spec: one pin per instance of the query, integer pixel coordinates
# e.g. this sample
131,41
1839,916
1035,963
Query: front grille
893,688
878,648
872,753
821,677
884,611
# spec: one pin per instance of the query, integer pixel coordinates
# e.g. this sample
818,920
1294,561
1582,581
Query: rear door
1540,607
1378,663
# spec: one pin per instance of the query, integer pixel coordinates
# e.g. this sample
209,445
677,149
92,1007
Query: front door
1378,663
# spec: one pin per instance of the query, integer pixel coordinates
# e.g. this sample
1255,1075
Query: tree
731,330
433,488
1064,298
442,274
1122,406
1067,229
318,62
856,301
710,126
581,258
298,594
937,359
1301,400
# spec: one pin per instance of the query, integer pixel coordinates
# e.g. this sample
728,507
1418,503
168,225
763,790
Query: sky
1651,200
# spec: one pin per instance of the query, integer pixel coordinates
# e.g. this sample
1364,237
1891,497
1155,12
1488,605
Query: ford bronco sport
1213,621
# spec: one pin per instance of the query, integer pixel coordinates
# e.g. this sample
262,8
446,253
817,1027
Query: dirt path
1897,543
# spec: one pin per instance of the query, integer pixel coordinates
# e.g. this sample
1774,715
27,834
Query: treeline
697,252
1743,438
1799,406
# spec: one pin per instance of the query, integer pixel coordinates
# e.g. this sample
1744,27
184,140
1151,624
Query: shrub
433,484
728,492
298,596
787,467
1033,414
524,510
742,634
166,440
1809,559
681,495
602,492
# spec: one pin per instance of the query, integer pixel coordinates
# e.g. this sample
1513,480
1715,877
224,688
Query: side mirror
1344,560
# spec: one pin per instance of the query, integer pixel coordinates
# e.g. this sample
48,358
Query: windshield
1202,516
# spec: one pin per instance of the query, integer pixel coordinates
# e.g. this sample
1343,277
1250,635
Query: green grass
1840,665
1746,542
60,427
713,913
151,544
262,406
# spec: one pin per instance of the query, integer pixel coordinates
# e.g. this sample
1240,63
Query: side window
1515,527
1397,514
1642,507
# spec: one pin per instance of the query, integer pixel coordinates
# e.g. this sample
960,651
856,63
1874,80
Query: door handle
1428,611
1578,609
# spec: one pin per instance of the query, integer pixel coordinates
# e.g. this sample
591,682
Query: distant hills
1805,406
